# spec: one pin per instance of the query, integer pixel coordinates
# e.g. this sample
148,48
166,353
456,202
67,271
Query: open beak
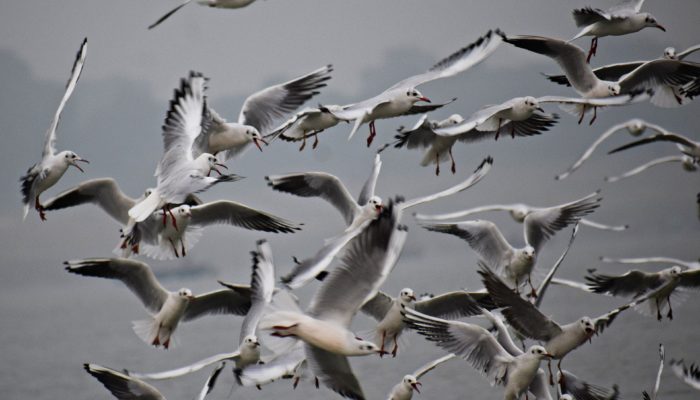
425,99
379,207
78,166
661,27
257,143
257,344
216,170
540,109
415,386
548,355
413,298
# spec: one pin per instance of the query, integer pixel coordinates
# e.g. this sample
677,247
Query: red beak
661,27
257,143
427,100
415,386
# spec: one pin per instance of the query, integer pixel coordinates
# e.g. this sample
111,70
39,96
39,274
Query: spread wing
378,306
659,72
188,369
611,72
689,374
334,371
103,192
671,137
371,183
451,305
432,365
123,387
644,167
580,389
633,283
262,285
223,301
232,213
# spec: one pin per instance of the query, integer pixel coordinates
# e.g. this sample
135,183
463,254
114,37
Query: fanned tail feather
145,208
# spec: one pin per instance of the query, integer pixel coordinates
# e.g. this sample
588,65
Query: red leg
296,382
381,350
533,292
658,310
40,209
551,377
182,248
561,376
174,248
512,130
165,217
316,382
172,218
372,133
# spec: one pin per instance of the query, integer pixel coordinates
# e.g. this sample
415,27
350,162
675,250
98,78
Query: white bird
664,95
622,19
260,291
52,166
230,4
526,319
179,173
478,347
518,212
634,127
572,387
168,308
662,284
325,328
690,374
306,123
400,98
514,264
404,389
289,364
689,164
644,79
657,384
258,115
688,147
331,189
125,387
387,311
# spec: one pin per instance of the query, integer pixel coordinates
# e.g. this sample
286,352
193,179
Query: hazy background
52,322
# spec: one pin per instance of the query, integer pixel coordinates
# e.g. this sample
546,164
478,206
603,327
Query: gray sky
115,115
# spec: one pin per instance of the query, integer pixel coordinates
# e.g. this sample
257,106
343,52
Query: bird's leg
172,218
583,112
670,309
561,375
381,350
303,142
182,247
396,346
135,248
498,130
258,386
551,377
156,340
595,115
165,217
39,208
533,292
512,130
658,310
591,51
315,142
454,166
437,164
172,244
316,382
167,343
296,382
372,133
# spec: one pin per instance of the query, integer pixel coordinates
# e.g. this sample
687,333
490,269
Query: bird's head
185,293
251,341
407,296
365,346
208,162
651,22
455,119
71,158
415,96
670,53
411,383
375,203
614,89
539,352
529,252
532,104
253,135
587,326
636,127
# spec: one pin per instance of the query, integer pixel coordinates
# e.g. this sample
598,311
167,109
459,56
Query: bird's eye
408,93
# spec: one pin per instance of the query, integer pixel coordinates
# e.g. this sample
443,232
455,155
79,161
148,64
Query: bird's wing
470,342
334,371
211,381
420,136
522,315
611,72
426,108
482,236
364,267
589,15
535,125
232,213
262,287
542,288
371,183
283,127
646,260
689,374
285,364
543,223
123,387
685,53
690,278
465,213
662,357
643,167
50,138
432,365
580,389
671,137
188,369
457,62
572,284
587,154
570,58
621,100
598,225
136,275
626,6
659,72
634,282
263,108
378,306
479,173
224,301
317,184
168,14
540,386
451,305
502,333
183,124
103,192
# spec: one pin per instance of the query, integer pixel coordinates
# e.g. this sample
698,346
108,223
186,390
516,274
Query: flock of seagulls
282,338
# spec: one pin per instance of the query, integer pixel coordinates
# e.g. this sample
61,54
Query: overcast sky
115,114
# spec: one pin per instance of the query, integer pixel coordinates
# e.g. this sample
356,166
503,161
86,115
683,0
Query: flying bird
52,166
404,389
231,4
687,147
621,19
690,374
306,123
168,308
401,98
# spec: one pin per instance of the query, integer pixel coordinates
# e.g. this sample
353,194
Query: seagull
168,308
688,147
179,173
190,220
528,321
664,95
486,239
481,349
52,166
622,19
634,127
258,114
324,329
210,3
689,374
653,260
404,389
641,81
400,98
289,364
689,164
387,311
662,284
125,387
574,388
260,291
662,356
308,122
519,212
306,185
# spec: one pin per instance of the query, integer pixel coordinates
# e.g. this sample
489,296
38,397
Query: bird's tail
145,208
25,211
583,32
146,330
